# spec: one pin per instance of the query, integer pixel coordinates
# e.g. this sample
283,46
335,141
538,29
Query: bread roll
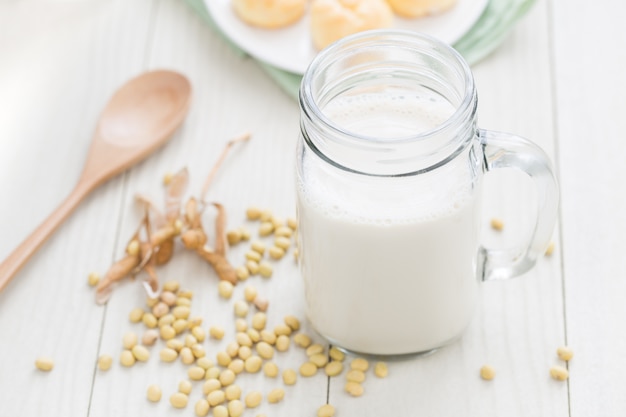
331,20
270,14
420,8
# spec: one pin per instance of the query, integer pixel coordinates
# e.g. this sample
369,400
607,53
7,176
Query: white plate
291,48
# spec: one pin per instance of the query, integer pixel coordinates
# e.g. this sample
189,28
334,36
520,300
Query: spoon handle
12,264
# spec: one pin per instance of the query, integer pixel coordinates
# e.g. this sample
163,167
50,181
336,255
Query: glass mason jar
389,170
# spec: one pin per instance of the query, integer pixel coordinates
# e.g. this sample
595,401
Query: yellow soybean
153,393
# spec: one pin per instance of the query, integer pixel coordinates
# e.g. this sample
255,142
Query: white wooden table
558,79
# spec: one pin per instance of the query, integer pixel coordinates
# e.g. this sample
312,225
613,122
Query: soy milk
387,276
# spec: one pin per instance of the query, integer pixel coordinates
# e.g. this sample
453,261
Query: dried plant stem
220,160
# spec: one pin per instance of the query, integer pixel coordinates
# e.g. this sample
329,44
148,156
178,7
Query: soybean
225,289
135,315
105,362
559,373
265,269
336,354
259,320
253,399
237,366
258,246
334,368
154,393
270,369
220,411
319,359
265,350
233,392
275,253
253,364
150,337
250,293
185,387
93,279
227,377
211,385
196,373
168,355
289,376
242,273
292,322
179,400
129,340
381,370
276,395
326,410
126,358
354,388
487,372
314,349
565,353
235,408
216,397
241,308
354,375
186,356
216,332
140,353
253,213
302,340
202,407
360,364
308,369
44,364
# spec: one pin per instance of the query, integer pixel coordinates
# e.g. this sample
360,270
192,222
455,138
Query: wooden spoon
139,118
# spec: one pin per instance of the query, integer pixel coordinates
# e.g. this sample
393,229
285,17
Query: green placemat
495,23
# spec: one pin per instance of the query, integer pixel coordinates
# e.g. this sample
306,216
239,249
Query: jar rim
444,53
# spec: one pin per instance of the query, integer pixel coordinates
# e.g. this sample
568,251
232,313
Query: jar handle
503,150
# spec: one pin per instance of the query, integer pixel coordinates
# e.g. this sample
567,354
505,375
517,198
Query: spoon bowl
140,117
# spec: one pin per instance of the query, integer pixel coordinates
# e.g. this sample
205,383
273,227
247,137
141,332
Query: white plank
231,95
590,85
59,66
520,322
